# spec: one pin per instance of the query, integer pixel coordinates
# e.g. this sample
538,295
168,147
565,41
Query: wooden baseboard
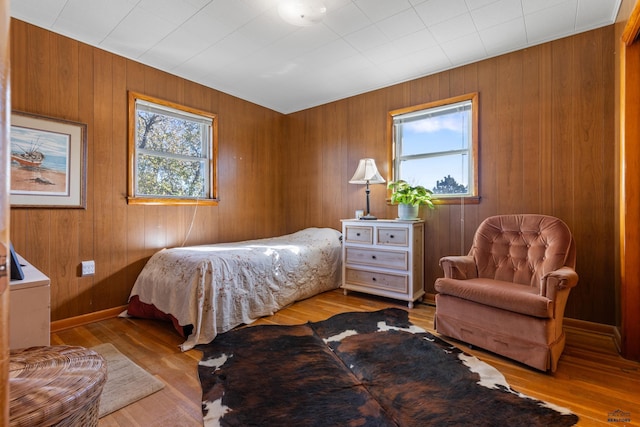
597,328
429,299
72,322
617,339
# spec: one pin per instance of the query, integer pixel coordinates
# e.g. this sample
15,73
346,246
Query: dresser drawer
358,234
387,259
392,282
393,236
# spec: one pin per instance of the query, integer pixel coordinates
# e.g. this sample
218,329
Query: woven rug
365,369
126,382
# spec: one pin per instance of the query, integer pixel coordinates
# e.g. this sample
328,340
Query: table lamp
367,173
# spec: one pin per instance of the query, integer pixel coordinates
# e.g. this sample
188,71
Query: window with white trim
435,145
171,152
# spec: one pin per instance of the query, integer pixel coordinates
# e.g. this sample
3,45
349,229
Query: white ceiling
243,47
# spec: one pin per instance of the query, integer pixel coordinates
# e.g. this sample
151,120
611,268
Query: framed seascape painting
48,162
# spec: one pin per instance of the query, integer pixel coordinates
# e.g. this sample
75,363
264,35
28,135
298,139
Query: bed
210,289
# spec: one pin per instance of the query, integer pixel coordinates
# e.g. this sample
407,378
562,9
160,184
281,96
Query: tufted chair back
522,248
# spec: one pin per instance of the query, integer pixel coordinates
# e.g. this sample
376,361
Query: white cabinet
29,309
383,257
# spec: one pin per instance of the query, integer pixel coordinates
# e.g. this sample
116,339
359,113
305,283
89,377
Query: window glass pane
435,134
446,174
169,134
163,176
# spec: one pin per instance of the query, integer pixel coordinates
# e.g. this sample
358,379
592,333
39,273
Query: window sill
468,200
170,202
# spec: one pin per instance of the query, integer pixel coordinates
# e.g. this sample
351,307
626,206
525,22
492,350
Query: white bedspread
218,287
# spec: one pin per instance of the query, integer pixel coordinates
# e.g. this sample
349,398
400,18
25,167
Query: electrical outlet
88,268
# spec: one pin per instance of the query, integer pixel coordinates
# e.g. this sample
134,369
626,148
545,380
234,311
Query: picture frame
48,162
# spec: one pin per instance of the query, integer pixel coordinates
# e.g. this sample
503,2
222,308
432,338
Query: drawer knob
391,236
373,257
357,234
373,279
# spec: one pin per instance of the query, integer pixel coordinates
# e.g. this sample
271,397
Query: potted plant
409,198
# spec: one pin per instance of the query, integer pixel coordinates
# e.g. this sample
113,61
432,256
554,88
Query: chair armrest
459,267
558,280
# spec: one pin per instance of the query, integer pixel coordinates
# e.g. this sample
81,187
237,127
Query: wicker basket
55,386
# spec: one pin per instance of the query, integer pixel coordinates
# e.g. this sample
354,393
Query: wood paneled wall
60,77
547,146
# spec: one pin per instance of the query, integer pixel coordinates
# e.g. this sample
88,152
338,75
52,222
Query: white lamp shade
367,173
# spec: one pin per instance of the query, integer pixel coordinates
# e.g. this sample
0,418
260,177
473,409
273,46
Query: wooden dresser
384,257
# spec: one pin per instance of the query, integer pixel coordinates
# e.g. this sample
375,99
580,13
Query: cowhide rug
357,369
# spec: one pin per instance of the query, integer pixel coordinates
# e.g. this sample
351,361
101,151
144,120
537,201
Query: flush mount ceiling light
302,13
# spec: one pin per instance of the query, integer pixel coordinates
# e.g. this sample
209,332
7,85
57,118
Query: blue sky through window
437,140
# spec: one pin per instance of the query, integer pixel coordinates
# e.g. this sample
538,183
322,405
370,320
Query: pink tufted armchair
509,293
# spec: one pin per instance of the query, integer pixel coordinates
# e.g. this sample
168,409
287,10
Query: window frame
473,196
132,198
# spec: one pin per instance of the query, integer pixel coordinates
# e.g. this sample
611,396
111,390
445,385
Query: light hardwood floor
592,379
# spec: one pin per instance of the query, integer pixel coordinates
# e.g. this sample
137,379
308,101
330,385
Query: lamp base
368,217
